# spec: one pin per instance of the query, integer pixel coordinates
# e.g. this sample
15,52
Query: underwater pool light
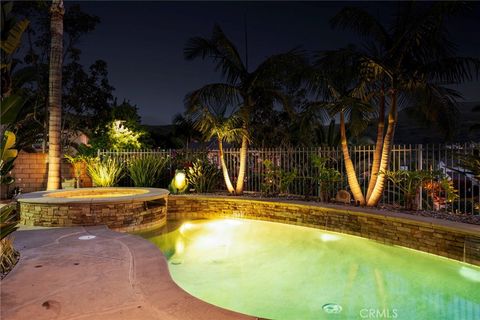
470,274
326,237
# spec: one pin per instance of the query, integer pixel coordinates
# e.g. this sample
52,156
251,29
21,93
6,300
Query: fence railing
444,158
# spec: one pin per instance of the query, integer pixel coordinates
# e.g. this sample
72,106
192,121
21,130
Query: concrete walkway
112,276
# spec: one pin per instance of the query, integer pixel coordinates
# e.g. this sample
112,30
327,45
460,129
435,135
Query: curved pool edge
454,240
150,292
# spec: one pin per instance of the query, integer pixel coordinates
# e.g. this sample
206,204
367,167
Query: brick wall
30,173
445,238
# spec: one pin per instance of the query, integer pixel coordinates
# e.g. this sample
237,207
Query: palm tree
405,65
242,89
213,124
55,95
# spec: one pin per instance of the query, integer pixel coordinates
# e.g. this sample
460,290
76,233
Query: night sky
143,42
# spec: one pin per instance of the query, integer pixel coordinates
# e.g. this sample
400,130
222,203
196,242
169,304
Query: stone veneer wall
461,244
128,216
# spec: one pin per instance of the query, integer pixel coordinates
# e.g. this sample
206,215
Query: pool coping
45,284
41,197
448,225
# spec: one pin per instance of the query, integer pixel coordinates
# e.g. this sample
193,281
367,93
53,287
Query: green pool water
279,271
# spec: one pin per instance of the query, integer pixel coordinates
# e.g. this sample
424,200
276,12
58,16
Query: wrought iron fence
444,158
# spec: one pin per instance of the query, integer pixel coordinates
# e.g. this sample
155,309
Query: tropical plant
476,125
471,162
12,99
78,165
146,171
12,31
203,176
9,220
213,124
409,183
55,96
7,156
276,180
248,90
441,191
327,177
105,172
404,65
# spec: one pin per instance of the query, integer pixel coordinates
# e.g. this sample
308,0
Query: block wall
30,173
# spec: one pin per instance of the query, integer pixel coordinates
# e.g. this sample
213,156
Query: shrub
8,223
409,182
105,172
203,176
327,177
7,157
276,180
146,171
78,165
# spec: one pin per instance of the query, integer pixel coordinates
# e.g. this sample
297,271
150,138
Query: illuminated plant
327,177
122,137
7,157
276,181
8,223
105,172
146,171
437,185
203,176
78,163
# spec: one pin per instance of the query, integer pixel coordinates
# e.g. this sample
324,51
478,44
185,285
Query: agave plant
105,172
146,171
7,157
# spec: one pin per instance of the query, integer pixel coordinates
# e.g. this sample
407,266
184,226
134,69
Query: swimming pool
279,271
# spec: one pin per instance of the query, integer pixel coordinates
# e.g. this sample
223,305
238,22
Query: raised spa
126,209
278,271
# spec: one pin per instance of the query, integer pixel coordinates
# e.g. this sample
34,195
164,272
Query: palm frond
453,70
361,22
221,50
437,105
218,96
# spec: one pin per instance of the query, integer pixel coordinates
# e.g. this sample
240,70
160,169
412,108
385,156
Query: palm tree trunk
378,146
377,191
55,95
243,165
349,168
226,177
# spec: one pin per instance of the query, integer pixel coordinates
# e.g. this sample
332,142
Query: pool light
470,274
326,237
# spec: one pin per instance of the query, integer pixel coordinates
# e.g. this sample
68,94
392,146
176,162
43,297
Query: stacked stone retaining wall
449,239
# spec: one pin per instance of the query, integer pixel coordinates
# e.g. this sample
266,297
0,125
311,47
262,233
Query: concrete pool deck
112,276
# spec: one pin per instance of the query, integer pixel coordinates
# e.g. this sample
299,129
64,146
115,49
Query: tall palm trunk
226,177
378,146
349,168
243,165
55,95
387,147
